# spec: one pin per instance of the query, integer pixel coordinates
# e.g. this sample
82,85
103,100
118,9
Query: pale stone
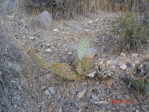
81,94
123,66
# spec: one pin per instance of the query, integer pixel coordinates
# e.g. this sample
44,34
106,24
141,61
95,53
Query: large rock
8,6
42,21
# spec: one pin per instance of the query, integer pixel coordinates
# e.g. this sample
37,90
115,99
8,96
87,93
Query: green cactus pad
38,61
138,84
63,70
147,87
87,64
82,47
79,67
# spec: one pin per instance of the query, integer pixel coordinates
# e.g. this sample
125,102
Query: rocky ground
35,90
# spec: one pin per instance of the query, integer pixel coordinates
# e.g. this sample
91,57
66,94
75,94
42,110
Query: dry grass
69,7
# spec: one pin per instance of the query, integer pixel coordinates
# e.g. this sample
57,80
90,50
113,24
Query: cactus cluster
83,64
139,84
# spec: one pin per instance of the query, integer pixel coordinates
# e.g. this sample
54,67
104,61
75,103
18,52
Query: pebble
98,102
32,37
127,97
52,90
69,53
48,50
92,74
135,55
123,54
123,66
15,66
46,92
90,21
81,94
76,27
56,30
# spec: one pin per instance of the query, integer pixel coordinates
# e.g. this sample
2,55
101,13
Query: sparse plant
83,64
131,31
139,84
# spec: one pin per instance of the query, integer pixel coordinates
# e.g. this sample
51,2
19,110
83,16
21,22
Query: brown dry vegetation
69,7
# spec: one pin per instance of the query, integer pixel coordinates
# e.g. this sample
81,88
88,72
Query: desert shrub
132,31
129,5
69,7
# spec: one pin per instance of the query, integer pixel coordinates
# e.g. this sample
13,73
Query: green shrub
132,32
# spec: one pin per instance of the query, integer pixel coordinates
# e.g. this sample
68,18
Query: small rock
51,89
48,50
92,74
56,30
133,65
81,94
127,97
60,110
98,101
69,53
32,37
97,19
135,55
47,44
87,30
15,66
123,66
76,27
42,21
46,92
90,22
123,54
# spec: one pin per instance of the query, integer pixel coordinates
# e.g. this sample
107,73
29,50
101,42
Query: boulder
42,21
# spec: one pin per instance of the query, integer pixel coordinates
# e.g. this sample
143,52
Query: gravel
38,90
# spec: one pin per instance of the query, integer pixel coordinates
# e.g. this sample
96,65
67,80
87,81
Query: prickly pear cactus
82,47
87,64
79,67
147,87
138,84
38,61
83,66
63,70
60,69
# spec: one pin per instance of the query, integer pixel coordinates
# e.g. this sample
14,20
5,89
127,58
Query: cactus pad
79,67
147,87
63,70
138,84
82,47
38,61
87,64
